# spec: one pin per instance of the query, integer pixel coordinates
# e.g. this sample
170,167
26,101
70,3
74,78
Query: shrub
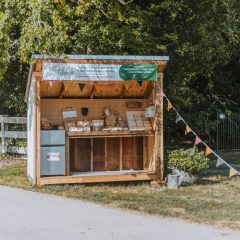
190,160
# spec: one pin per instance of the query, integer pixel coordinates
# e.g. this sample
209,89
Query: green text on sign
138,72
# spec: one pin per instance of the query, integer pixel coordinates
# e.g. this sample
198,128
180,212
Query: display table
127,133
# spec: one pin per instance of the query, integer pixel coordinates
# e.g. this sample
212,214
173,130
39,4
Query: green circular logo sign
138,72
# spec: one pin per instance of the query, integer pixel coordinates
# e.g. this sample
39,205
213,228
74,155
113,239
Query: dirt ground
8,161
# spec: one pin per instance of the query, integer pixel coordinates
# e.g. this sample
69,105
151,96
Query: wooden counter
99,134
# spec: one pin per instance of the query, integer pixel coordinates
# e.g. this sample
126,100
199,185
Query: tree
201,38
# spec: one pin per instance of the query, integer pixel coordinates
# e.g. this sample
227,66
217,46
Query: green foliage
201,37
190,160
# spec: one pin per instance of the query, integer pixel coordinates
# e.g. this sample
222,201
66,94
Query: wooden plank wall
80,152
109,154
98,154
113,154
52,108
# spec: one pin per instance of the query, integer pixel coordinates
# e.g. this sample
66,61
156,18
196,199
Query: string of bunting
198,140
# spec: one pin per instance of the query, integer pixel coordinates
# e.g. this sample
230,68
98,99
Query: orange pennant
169,106
208,151
232,172
106,87
98,87
187,130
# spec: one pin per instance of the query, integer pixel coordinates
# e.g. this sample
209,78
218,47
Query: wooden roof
36,68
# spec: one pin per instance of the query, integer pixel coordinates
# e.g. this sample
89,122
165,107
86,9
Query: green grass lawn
214,200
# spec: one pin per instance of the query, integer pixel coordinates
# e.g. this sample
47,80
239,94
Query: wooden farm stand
96,156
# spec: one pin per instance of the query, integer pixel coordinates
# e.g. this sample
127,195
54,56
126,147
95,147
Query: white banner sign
99,72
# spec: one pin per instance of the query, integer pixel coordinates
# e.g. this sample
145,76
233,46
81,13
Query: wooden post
2,133
121,155
106,154
4,127
38,126
91,154
159,156
67,155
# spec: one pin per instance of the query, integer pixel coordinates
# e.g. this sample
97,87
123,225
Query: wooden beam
13,149
149,89
103,61
15,134
159,158
121,155
106,153
38,67
91,154
67,155
37,74
38,126
139,176
15,120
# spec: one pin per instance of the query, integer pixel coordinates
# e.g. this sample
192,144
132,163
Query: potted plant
190,161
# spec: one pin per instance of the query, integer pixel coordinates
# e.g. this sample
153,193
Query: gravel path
27,215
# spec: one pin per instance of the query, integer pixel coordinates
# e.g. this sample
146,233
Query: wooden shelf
109,134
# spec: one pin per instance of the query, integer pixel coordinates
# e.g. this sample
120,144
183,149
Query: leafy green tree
201,37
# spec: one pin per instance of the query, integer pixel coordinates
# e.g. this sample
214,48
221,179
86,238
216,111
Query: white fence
5,134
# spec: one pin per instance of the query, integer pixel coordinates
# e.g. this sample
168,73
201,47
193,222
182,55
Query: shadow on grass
217,175
94,185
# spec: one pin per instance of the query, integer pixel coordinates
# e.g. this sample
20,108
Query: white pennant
178,118
219,162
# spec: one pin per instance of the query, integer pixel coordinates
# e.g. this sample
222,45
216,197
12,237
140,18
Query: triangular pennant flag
51,83
197,140
140,83
232,172
219,162
98,87
187,129
106,87
208,151
112,86
81,86
178,118
169,106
